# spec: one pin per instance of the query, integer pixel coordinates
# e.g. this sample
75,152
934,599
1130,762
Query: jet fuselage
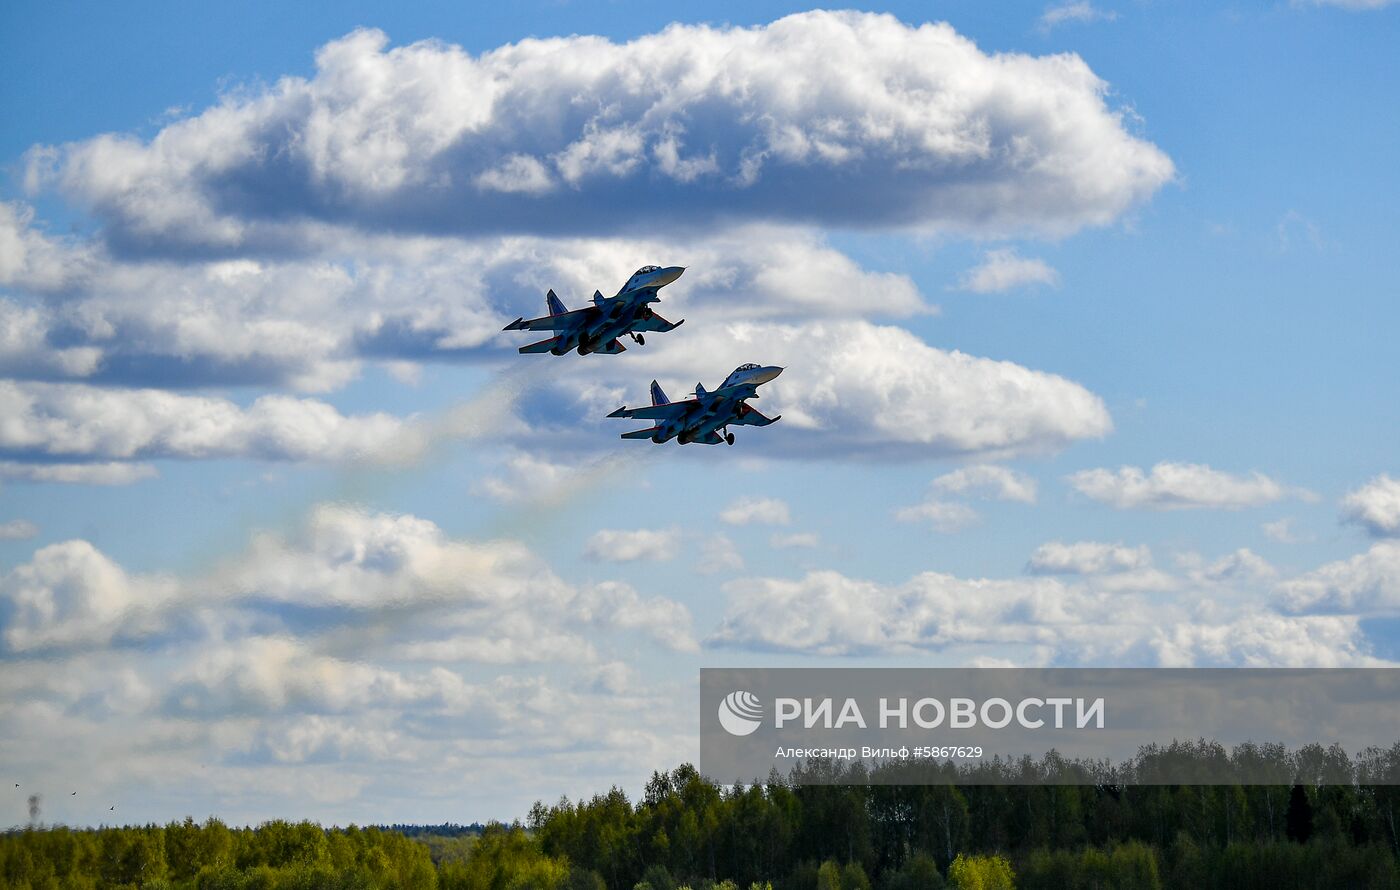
598,327
702,418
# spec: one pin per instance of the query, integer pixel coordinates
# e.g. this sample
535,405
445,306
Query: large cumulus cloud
71,593
310,321
457,600
46,421
400,204
1177,486
859,389
1376,506
1035,621
841,118
327,656
1367,583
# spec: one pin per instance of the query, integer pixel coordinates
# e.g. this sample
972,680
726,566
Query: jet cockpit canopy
747,366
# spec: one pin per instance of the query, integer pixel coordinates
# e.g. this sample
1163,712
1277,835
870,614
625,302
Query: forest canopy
1329,828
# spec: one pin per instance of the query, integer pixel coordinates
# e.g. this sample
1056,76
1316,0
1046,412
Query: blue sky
1088,310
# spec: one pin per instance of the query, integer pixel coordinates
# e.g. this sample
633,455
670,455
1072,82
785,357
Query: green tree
829,876
981,873
853,877
1299,818
918,872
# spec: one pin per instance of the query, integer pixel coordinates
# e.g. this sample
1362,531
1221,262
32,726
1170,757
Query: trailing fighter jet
705,418
596,328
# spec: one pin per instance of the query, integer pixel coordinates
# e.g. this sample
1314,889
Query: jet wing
564,321
656,412
753,417
656,323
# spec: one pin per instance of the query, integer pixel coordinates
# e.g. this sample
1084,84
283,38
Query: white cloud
427,597
110,473
796,540
1046,620
862,390
260,675
24,331
68,421
827,613
618,605
749,510
1264,639
734,123
181,291
71,594
851,387
1375,506
1176,486
311,320
1081,11
981,480
342,556
1367,583
532,480
510,640
1351,4
1243,564
988,480
329,709
1087,558
18,530
719,554
1004,269
526,476
640,545
517,173
1283,531
32,260
944,516
273,726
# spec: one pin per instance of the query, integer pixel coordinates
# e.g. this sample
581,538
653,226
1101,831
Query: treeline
1330,821
446,829
212,856
1337,824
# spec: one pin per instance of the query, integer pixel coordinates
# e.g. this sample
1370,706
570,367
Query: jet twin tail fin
658,396
556,305
641,434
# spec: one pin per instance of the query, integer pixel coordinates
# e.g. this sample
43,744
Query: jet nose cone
763,375
669,274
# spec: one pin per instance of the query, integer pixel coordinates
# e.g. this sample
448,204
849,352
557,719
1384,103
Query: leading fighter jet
705,418
596,328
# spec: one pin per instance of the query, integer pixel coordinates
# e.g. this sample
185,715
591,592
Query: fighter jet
596,328
706,417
